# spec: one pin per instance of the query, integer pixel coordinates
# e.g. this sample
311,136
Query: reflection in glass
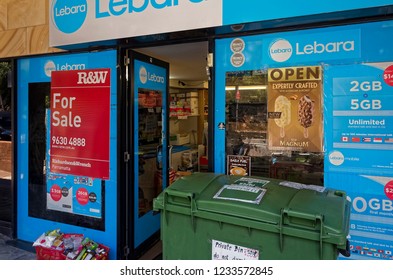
149,140
5,121
6,205
38,104
247,133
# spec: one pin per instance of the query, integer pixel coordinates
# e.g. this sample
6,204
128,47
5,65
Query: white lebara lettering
331,47
70,10
116,8
157,79
281,50
67,66
349,46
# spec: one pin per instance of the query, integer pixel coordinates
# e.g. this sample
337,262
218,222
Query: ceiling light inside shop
246,87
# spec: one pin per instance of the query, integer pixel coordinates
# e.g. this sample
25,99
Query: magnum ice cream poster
294,108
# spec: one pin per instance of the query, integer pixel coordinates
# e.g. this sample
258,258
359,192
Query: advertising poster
360,152
74,194
86,196
239,165
80,116
371,217
294,108
362,120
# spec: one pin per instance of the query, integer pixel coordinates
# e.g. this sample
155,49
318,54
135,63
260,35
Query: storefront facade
330,88
300,94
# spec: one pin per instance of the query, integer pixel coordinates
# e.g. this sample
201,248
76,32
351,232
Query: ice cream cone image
282,105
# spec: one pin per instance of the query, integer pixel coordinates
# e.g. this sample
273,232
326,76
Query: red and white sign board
80,117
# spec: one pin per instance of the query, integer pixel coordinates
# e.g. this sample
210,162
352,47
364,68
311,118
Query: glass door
149,141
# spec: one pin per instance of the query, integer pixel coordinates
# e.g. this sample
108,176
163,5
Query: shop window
5,147
5,120
39,104
247,135
149,149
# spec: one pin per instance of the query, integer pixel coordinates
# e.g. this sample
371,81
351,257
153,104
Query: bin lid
264,203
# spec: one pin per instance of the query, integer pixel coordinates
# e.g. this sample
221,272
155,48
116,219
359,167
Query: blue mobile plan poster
359,145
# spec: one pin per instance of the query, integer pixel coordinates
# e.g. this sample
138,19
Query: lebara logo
49,67
69,16
336,158
280,50
143,75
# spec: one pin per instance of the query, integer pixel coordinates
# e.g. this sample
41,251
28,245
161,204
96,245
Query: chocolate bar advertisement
294,108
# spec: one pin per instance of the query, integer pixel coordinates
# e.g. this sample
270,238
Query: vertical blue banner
359,116
235,12
359,151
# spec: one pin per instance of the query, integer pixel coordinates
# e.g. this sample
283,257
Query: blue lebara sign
69,17
72,22
314,46
359,159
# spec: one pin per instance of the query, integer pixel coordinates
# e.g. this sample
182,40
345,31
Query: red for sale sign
80,116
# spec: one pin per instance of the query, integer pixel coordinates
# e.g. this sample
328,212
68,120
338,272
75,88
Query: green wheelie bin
213,216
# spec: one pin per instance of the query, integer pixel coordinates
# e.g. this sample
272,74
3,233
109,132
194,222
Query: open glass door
149,133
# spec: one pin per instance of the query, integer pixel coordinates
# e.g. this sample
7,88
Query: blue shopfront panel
358,124
149,223
38,71
359,151
237,12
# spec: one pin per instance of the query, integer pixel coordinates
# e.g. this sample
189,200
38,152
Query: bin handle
317,219
340,193
289,213
176,193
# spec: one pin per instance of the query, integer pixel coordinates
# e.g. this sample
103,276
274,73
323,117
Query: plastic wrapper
50,239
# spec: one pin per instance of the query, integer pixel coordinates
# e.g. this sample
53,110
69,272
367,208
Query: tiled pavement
15,250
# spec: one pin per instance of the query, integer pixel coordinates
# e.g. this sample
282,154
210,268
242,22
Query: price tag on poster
80,116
